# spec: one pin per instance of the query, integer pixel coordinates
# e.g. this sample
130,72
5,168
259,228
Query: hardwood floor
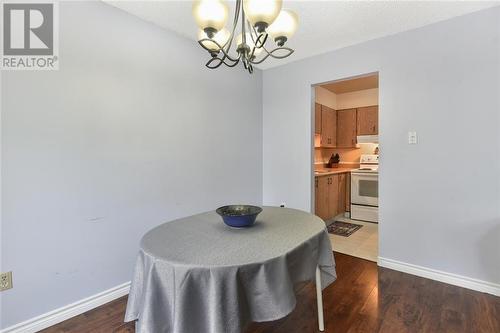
364,298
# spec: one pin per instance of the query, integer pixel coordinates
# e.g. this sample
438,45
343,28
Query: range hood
367,138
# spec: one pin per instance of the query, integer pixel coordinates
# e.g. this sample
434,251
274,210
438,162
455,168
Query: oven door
364,189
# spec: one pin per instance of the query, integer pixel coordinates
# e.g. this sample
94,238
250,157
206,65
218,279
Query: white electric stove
364,190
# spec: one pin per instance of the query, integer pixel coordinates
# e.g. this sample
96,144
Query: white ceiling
323,25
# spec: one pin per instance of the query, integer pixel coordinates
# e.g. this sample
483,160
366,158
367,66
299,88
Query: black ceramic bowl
239,216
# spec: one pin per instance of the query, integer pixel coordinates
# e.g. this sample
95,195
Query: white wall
326,97
132,131
439,208
356,99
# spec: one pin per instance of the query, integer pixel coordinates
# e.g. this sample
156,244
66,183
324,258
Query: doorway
345,162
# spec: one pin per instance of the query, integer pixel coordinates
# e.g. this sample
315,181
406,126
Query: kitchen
346,154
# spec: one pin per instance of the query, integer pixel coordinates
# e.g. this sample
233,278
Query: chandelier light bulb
261,13
284,26
210,15
221,37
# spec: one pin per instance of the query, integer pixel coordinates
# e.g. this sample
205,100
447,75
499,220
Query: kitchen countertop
331,171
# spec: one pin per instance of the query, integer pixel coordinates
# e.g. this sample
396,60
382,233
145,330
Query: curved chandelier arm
235,23
261,39
247,65
216,62
208,40
288,50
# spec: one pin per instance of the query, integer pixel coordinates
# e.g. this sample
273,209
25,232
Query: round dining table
196,274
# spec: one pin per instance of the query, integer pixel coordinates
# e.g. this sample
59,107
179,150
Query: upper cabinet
368,120
346,128
317,118
339,128
328,127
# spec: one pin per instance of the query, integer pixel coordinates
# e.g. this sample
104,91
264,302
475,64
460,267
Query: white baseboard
434,274
71,310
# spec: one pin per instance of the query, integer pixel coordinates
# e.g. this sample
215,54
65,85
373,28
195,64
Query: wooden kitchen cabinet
346,128
342,193
330,195
333,196
367,120
322,196
344,196
317,118
328,127
339,128
348,192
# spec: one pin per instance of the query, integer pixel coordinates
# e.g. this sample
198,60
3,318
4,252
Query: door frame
312,134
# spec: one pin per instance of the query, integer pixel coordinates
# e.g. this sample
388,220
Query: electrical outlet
5,281
412,138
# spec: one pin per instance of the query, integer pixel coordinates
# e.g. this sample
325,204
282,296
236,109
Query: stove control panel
368,159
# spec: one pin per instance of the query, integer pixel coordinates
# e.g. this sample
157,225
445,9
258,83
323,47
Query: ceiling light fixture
259,19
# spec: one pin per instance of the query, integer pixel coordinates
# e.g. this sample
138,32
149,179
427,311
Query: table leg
319,299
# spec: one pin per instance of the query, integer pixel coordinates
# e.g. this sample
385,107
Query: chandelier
259,20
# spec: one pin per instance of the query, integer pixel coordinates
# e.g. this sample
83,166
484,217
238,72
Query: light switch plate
5,281
412,138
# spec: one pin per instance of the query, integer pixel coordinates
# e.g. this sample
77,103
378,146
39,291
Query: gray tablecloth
197,275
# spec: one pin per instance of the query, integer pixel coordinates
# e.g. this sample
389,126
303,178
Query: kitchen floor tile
362,244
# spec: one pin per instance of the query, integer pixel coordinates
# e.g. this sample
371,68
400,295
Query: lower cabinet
331,195
322,196
348,192
342,192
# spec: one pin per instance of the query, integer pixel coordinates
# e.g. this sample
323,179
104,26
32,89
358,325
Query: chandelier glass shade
258,20
261,13
211,14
